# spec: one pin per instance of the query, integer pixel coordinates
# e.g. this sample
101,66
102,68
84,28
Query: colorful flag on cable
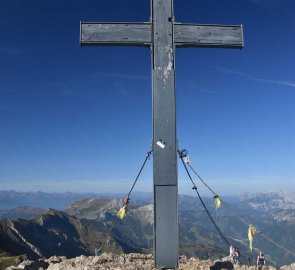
122,212
251,234
217,201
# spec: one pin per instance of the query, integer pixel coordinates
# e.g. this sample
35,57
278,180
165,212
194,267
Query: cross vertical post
162,35
164,136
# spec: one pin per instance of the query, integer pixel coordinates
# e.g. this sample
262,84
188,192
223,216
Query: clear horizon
206,194
185,188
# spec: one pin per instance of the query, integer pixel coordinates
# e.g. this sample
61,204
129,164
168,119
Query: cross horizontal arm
218,36
137,34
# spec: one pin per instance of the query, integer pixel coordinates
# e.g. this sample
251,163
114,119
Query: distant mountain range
25,212
10,199
85,226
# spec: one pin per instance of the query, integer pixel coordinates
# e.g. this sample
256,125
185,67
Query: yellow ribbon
122,212
217,201
251,233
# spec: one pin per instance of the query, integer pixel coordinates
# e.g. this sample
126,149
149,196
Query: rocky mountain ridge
52,233
271,200
133,261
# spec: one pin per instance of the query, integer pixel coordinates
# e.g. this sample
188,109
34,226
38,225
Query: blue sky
79,118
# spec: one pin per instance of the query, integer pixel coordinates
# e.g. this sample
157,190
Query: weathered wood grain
136,34
197,35
140,34
164,129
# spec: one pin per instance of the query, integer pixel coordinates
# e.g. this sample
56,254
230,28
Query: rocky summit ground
134,261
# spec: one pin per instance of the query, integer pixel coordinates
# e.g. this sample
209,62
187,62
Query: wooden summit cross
163,35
